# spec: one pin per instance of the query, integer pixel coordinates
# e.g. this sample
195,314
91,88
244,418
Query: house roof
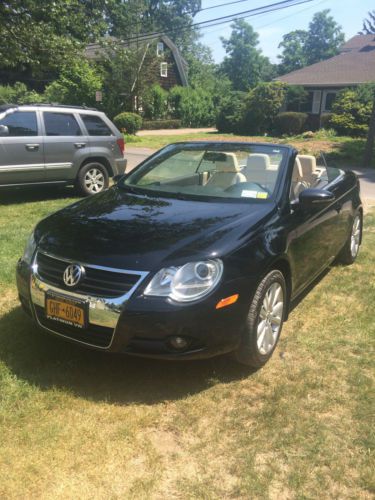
94,51
355,64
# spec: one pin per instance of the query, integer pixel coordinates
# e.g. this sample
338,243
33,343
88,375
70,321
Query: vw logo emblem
73,275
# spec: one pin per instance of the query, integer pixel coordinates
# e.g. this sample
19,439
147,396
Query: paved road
366,176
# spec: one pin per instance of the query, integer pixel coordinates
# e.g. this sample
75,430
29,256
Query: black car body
120,239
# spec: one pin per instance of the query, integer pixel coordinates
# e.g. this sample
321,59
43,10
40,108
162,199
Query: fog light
178,343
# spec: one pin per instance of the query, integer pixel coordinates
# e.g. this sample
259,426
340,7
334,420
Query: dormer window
164,69
159,49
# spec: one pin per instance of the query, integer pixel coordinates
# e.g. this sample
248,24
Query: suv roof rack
52,105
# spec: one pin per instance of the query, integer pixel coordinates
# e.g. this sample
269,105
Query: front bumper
139,325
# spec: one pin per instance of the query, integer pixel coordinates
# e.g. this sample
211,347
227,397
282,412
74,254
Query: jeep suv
46,144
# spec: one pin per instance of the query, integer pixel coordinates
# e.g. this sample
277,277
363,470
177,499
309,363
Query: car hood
131,231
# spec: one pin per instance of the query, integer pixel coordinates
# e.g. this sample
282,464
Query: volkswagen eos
199,251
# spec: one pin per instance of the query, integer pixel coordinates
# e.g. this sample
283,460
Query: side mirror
311,198
4,131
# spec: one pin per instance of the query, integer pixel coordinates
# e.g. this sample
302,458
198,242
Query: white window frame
316,102
159,49
164,70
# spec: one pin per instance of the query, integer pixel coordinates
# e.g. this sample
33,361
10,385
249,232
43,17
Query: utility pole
369,148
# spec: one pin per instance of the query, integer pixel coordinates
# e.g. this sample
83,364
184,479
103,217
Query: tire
350,251
258,342
92,179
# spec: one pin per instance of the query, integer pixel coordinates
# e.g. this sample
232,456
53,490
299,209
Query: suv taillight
121,145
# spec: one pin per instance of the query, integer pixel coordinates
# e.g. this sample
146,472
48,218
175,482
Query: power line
221,20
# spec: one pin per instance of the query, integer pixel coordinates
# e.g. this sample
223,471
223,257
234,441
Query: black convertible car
198,251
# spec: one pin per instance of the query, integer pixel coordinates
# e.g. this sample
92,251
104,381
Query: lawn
340,151
82,424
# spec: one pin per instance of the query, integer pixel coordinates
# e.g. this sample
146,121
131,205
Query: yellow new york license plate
66,311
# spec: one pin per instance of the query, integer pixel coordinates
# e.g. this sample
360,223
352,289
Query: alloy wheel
94,180
355,236
270,318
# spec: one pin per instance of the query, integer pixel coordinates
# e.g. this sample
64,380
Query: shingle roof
354,65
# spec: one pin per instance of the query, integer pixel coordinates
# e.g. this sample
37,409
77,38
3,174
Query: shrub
352,111
262,105
128,122
325,120
18,94
160,124
230,113
194,107
290,123
296,98
155,103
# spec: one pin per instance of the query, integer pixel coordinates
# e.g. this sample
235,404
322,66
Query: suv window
21,123
95,125
61,124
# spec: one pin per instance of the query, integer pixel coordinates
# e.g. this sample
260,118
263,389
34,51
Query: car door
63,138
312,238
21,148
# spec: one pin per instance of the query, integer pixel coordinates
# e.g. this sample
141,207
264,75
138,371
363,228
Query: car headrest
227,163
297,170
308,164
258,161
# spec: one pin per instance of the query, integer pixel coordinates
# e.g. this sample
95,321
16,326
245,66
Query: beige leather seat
308,167
258,169
227,172
298,184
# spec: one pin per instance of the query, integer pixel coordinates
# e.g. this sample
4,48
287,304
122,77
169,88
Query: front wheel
350,251
92,179
264,322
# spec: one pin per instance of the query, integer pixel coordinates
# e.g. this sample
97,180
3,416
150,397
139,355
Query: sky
271,27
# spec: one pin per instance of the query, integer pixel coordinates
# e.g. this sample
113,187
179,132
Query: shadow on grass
28,194
47,362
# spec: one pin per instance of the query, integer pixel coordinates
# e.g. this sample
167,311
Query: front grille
95,335
96,283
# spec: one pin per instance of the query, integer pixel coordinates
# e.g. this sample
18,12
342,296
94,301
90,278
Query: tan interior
227,172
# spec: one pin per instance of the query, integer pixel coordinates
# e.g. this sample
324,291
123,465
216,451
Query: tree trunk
369,149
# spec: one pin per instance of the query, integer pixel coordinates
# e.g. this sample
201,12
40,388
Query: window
159,48
21,123
329,99
95,125
306,107
61,124
164,69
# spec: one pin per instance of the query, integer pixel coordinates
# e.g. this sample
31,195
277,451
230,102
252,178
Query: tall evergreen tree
368,27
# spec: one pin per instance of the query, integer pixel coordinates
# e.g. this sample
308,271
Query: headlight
190,282
29,249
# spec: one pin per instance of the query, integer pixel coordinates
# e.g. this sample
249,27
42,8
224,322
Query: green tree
76,85
368,27
293,55
324,38
244,65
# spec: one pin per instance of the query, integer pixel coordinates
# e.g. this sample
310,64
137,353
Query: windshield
211,170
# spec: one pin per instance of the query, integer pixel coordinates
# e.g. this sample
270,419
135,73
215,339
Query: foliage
18,94
296,97
155,103
194,107
368,27
321,41
161,124
128,122
352,111
230,113
325,121
262,105
244,63
76,85
290,123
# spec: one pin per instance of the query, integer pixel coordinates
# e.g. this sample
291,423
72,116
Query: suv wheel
92,178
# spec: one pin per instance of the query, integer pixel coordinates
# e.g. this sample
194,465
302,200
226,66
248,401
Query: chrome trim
22,168
51,166
103,311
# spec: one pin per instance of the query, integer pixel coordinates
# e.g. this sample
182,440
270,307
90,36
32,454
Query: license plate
65,310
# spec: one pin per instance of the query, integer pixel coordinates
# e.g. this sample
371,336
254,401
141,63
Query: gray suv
46,144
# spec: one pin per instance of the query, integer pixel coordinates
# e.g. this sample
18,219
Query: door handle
32,147
80,145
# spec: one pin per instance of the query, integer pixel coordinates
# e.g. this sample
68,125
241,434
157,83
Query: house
354,65
172,68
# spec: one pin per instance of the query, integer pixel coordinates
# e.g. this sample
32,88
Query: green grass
341,151
82,424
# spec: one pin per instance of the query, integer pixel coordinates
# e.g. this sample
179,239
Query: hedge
290,123
128,123
161,124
